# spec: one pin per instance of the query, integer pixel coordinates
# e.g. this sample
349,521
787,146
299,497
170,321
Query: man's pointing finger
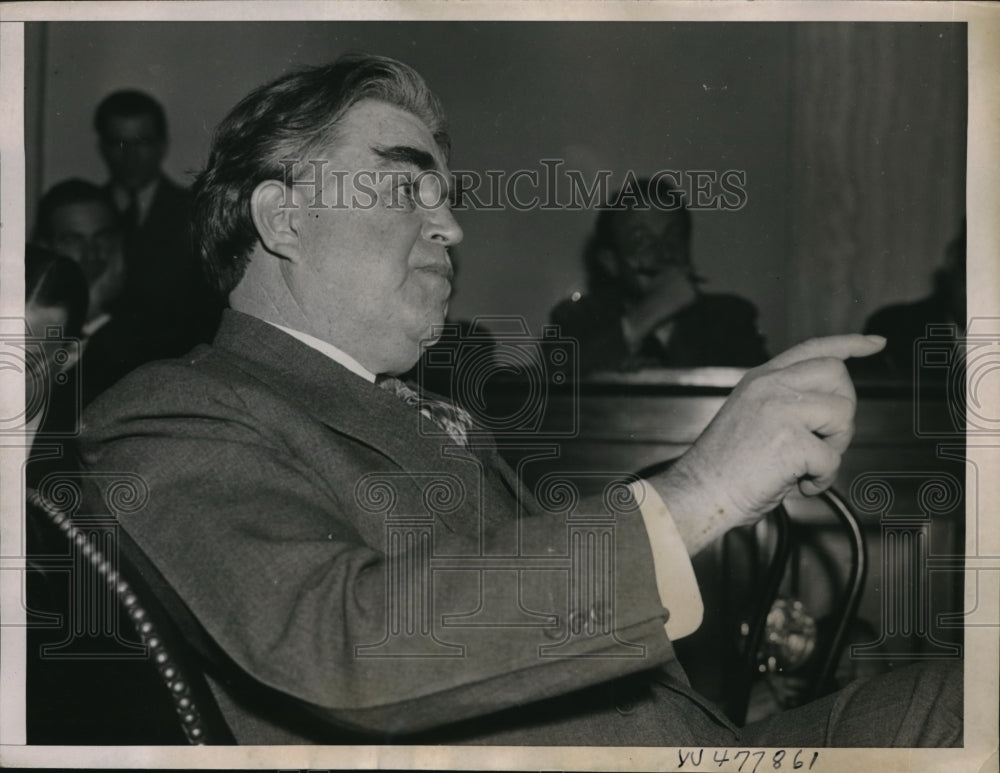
840,347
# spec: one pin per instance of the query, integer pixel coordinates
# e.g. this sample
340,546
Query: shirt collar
144,197
331,351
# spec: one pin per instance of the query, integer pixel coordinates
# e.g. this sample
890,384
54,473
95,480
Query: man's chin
435,329
414,350
428,342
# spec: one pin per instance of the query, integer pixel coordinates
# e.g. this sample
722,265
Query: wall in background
876,183
771,99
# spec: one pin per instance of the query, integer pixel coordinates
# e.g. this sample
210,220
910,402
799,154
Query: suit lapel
342,400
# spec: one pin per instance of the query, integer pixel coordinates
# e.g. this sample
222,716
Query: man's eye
405,192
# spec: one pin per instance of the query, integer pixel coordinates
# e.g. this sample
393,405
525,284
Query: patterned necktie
453,419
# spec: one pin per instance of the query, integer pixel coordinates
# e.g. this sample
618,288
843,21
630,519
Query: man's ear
608,260
276,216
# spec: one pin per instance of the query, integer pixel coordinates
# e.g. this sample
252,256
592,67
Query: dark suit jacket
165,292
122,344
276,479
716,329
166,306
904,325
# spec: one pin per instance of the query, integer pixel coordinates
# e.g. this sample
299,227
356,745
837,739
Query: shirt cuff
675,580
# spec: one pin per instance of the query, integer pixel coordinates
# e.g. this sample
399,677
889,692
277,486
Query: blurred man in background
644,308
78,220
904,324
163,280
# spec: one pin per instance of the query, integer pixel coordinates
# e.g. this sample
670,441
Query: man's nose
441,226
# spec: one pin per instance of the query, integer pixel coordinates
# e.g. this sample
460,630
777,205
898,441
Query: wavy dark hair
287,120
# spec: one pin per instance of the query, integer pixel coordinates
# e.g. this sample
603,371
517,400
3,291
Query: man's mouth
442,270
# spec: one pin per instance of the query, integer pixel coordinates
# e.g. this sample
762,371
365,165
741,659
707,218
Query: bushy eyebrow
404,154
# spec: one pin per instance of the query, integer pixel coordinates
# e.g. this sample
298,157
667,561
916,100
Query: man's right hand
785,424
667,294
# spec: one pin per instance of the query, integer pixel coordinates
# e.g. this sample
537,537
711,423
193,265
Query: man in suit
361,562
78,219
645,308
904,325
164,283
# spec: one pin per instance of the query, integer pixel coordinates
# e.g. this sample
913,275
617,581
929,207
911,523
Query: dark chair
762,641
744,666
739,637
141,681
851,596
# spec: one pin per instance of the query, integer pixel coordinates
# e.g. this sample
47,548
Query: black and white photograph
519,386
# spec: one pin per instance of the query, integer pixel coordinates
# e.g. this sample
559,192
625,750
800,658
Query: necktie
131,214
453,419
130,227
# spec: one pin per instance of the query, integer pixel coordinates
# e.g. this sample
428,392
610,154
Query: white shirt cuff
675,580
